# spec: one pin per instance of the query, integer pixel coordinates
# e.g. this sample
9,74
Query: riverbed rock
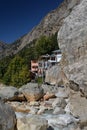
58,122
41,110
32,123
78,108
52,89
20,107
58,110
34,103
7,117
48,96
33,110
9,93
62,93
32,91
59,102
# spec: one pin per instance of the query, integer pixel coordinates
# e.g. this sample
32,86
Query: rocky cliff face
53,75
48,26
72,39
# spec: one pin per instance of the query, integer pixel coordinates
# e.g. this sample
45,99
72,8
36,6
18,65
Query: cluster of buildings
44,62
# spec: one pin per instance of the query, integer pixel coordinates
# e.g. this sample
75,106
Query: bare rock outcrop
72,39
7,117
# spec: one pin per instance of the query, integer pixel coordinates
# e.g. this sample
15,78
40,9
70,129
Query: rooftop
56,51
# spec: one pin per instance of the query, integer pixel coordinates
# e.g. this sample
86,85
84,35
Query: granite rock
7,117
32,91
72,39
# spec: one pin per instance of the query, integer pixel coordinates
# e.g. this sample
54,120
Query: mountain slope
50,23
3,48
48,26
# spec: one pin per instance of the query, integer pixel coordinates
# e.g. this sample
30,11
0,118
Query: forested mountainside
15,69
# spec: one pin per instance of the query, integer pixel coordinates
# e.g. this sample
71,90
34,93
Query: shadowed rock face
72,39
7,117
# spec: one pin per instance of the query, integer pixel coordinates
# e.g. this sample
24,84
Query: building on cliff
45,61
55,57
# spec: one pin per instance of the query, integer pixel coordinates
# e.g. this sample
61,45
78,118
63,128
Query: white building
47,61
55,57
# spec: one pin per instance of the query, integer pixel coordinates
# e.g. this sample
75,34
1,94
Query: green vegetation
15,70
17,73
39,80
4,65
45,45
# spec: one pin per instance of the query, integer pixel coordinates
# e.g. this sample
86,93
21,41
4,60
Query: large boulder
78,107
32,91
8,93
7,117
32,123
53,75
72,39
62,122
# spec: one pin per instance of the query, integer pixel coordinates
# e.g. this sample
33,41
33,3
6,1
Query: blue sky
18,17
